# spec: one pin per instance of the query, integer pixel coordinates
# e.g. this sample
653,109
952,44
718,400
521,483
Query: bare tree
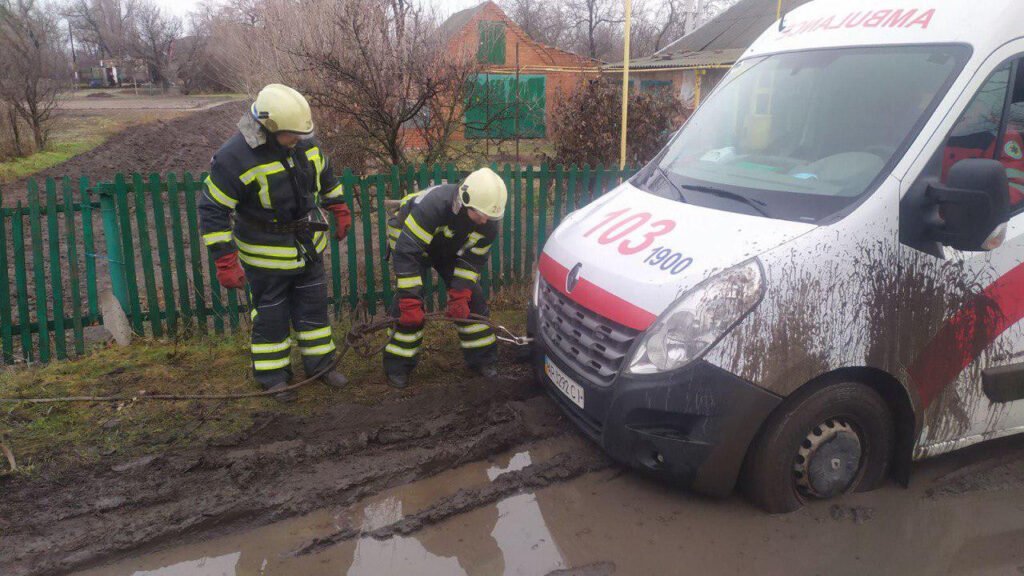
153,37
658,23
595,23
104,25
443,116
197,60
33,67
378,69
545,22
596,27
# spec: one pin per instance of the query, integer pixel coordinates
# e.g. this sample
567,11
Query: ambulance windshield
802,135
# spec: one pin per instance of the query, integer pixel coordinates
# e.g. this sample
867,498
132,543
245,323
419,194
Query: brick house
546,75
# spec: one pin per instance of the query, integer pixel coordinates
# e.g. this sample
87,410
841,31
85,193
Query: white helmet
485,192
282,109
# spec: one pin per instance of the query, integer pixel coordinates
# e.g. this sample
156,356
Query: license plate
565,385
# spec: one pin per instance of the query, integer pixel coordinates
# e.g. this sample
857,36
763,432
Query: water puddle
963,514
510,537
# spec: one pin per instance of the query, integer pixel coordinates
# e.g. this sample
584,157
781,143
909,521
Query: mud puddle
287,467
963,514
509,533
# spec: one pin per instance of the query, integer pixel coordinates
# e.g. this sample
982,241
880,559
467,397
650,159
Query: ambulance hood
631,254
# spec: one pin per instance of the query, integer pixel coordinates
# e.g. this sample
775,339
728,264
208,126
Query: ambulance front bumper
691,427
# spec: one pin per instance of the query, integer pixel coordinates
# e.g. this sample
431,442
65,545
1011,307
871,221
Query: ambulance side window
974,135
992,127
1011,145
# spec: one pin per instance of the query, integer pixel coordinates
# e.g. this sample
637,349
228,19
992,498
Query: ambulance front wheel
822,442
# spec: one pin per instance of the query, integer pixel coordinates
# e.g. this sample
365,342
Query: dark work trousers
281,302
479,346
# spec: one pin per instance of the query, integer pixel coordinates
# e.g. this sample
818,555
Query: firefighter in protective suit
272,179
449,227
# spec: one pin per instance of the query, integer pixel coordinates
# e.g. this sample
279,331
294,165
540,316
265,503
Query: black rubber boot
334,379
285,397
399,381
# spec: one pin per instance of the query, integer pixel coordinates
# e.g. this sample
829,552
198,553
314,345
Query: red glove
229,272
458,303
342,219
412,312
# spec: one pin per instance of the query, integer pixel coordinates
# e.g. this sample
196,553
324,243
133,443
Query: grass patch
59,150
58,436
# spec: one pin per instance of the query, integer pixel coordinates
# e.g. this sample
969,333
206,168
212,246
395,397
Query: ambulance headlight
694,323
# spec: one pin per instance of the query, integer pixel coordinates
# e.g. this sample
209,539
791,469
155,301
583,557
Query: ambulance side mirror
970,210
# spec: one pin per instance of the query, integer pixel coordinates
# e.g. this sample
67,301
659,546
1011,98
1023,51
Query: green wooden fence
65,243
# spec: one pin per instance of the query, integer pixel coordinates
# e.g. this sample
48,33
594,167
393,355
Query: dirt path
281,468
180,144
522,513
97,101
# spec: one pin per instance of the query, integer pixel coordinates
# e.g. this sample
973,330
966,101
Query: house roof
721,40
552,58
457,21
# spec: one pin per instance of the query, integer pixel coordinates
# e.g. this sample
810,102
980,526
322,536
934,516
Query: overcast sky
447,7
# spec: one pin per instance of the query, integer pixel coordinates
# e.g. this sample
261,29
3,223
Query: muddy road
483,477
280,468
963,515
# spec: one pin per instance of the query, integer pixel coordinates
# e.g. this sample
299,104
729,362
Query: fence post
507,229
89,243
56,280
73,276
112,238
195,250
530,215
6,323
349,182
542,207
38,270
382,238
21,284
367,221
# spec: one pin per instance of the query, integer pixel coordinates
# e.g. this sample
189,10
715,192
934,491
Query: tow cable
354,340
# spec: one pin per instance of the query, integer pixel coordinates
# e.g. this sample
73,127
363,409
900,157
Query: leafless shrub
587,126
33,68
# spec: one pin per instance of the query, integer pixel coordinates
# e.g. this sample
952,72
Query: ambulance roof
984,24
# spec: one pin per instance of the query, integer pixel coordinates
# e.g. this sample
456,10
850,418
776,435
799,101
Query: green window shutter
532,106
504,113
491,48
491,106
651,85
476,107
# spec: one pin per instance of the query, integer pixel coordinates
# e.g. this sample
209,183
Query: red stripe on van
967,333
595,298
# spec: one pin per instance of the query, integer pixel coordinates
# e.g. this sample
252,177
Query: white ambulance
820,278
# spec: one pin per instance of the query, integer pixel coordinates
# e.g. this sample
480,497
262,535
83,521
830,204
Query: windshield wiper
675,187
752,202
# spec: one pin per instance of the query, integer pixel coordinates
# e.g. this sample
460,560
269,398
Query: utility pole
518,104
625,86
74,57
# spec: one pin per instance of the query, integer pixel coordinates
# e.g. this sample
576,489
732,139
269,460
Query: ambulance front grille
592,345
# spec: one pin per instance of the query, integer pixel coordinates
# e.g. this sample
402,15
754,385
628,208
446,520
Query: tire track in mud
559,468
288,467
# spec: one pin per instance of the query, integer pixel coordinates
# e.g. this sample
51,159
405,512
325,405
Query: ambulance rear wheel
821,443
